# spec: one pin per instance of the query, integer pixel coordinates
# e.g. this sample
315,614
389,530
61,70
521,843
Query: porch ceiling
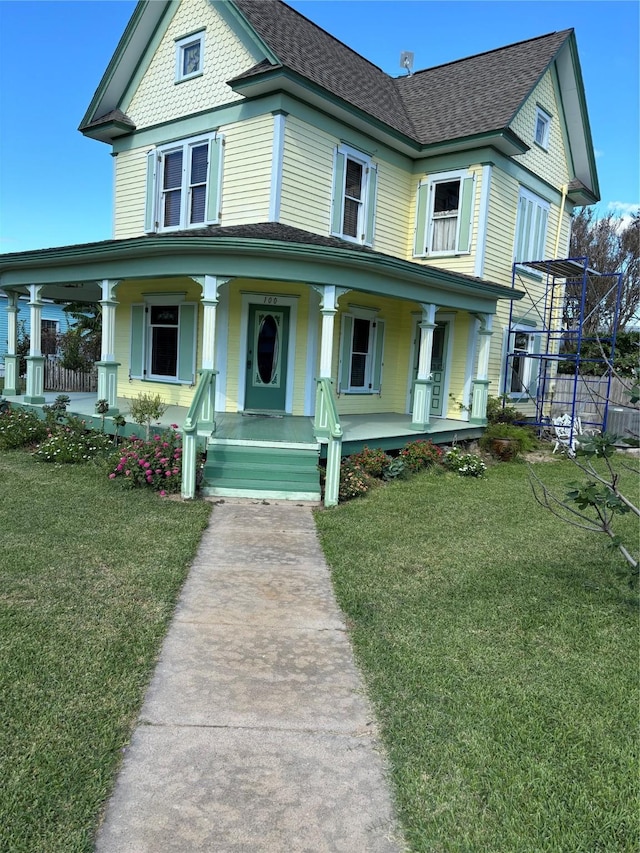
267,251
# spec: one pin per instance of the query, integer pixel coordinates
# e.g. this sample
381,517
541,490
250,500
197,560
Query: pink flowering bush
420,454
354,481
156,463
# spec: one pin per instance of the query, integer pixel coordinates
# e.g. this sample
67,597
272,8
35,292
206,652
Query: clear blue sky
56,186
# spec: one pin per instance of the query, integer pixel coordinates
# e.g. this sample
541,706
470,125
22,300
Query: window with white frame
354,196
184,183
444,214
531,227
543,124
523,375
163,339
189,56
361,353
49,337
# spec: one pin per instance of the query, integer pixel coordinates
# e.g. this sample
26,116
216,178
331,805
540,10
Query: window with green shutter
361,355
163,341
444,215
355,180
183,184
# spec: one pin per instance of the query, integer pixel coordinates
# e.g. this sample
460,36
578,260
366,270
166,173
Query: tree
611,245
80,345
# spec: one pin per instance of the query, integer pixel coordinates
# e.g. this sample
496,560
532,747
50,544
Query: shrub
395,470
374,462
71,444
522,437
420,454
466,464
156,463
19,427
146,408
500,413
354,481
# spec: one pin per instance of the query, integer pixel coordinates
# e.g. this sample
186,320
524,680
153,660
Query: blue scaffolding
548,362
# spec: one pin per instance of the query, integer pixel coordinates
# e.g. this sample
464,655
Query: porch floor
388,430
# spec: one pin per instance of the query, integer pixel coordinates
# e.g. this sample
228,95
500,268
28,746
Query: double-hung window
531,227
183,184
49,337
361,353
354,196
444,214
163,335
522,379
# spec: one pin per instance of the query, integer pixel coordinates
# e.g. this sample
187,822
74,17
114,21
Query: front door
267,351
438,366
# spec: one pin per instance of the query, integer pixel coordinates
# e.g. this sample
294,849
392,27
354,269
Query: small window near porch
163,322
49,337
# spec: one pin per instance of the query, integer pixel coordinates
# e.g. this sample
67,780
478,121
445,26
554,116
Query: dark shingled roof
114,115
471,96
308,50
479,94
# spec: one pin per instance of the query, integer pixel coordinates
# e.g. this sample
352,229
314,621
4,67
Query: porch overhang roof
71,273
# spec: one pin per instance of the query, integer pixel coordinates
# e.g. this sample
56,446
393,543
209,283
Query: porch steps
262,469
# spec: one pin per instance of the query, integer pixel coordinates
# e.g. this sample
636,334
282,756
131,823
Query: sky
56,186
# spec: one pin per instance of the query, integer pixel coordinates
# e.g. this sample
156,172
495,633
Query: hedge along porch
287,324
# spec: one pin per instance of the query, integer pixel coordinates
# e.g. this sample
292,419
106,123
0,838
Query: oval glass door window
268,344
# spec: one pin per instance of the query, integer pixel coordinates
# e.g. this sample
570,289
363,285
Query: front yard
500,649
89,577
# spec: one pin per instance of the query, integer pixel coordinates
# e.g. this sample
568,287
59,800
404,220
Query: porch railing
201,413
326,427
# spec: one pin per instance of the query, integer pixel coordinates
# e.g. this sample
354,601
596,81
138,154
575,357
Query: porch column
480,384
423,384
210,297
12,359
108,366
35,360
328,310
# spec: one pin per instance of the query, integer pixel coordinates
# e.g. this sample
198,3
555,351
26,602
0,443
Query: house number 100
270,300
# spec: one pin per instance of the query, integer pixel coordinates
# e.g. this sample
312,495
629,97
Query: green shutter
187,343
466,215
376,377
345,353
371,205
138,323
214,180
420,241
338,193
151,193
541,234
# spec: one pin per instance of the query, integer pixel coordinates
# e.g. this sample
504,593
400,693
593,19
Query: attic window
543,122
189,56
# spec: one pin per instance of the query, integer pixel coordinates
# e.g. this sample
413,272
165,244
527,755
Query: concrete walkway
255,734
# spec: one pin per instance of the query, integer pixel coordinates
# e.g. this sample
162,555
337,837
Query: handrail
202,403
327,426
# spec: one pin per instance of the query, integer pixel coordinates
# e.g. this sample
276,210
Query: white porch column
328,310
108,366
35,361
12,359
423,384
210,296
480,384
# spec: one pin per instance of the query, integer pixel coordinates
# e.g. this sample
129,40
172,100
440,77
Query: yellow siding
307,175
456,368
501,227
246,183
130,293
130,191
159,98
395,188
552,163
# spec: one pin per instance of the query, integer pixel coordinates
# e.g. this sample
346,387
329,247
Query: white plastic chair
566,431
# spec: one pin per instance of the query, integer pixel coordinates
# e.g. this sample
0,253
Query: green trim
466,212
147,55
243,29
575,61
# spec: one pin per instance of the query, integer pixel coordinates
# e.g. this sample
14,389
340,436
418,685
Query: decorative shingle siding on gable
552,163
158,98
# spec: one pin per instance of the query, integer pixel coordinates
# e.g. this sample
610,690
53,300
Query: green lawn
500,649
89,576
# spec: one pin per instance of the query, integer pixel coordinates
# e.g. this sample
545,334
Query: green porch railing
326,427
200,416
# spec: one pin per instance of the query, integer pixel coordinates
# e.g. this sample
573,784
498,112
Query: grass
500,650
89,577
